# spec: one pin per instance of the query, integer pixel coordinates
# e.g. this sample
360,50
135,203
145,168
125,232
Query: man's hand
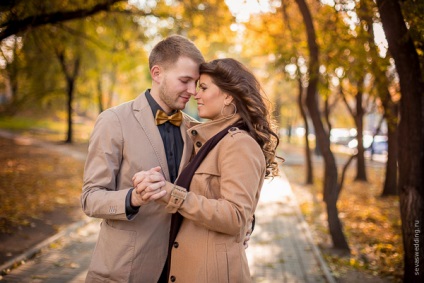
147,186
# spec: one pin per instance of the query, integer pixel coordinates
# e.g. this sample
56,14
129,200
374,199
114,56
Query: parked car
379,146
342,136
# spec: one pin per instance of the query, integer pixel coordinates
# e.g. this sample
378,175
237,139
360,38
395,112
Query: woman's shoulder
240,138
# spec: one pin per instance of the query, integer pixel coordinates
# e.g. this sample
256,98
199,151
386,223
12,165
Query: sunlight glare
380,39
242,9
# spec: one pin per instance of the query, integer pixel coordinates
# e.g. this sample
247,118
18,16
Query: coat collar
203,132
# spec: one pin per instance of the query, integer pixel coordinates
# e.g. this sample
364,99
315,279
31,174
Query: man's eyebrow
186,77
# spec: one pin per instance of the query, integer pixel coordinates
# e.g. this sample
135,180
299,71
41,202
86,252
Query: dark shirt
172,140
173,144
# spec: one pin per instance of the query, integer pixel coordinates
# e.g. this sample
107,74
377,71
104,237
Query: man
133,239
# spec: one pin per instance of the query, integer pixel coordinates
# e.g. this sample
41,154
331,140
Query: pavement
281,248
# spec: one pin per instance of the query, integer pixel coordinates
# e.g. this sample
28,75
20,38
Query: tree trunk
70,93
331,189
71,74
361,174
309,169
411,137
391,181
113,77
100,94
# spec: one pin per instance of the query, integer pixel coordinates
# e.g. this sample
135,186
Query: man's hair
170,49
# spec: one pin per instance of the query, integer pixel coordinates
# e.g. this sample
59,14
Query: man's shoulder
125,107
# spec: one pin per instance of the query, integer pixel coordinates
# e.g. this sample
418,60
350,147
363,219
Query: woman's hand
147,186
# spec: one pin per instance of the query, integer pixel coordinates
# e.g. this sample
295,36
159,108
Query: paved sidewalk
280,250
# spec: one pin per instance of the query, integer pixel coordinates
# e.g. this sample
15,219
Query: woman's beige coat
223,196
126,140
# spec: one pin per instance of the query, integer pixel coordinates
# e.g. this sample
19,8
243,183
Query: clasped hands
147,186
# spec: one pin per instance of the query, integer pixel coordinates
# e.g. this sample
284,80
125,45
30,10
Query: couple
160,228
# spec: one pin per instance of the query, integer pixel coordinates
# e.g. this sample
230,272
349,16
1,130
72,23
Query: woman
217,193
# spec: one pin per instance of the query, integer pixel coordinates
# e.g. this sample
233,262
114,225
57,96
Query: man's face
178,84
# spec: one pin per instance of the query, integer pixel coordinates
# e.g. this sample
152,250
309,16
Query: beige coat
223,196
126,140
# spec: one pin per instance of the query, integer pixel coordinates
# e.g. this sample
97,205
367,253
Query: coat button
198,144
194,132
173,278
176,245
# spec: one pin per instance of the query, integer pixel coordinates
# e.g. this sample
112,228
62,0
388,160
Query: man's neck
163,106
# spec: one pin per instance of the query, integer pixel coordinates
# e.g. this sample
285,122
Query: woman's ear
156,72
228,99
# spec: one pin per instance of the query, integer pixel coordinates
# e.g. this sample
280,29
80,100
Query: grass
372,224
48,129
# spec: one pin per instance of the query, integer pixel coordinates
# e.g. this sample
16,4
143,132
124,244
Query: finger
158,195
155,178
152,187
153,195
138,178
141,187
156,169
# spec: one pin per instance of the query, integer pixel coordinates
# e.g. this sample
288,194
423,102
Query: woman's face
210,99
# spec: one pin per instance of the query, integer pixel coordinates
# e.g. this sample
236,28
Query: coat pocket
113,255
222,263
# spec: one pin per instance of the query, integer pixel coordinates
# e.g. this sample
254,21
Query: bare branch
19,25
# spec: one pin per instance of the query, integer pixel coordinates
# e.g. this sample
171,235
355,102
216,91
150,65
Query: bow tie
174,119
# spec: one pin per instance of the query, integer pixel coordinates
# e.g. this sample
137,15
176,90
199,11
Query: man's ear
156,73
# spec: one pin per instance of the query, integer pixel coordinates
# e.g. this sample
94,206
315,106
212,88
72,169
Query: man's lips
185,98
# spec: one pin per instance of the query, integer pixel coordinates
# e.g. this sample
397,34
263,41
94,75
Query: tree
383,79
302,80
331,189
411,136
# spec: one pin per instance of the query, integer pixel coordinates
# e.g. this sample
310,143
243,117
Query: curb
20,259
305,227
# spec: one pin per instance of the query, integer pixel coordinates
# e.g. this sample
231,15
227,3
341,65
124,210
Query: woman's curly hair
233,78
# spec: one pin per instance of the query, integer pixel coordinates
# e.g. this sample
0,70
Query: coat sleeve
100,196
242,166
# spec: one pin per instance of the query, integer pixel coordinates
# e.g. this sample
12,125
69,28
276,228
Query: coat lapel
144,116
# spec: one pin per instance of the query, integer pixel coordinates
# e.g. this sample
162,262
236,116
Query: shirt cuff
130,210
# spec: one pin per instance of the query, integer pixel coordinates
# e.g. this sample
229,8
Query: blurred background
327,68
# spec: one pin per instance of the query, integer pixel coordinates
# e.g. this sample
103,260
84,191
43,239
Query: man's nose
192,89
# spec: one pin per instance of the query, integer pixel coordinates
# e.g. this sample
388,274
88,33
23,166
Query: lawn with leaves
34,180
371,223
